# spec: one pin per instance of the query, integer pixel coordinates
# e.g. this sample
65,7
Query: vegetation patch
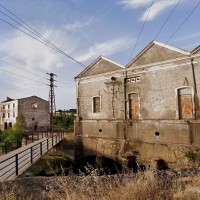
51,165
192,155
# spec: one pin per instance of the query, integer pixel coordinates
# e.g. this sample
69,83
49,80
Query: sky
83,30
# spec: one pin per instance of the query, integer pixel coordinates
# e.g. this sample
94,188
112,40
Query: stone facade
153,101
34,109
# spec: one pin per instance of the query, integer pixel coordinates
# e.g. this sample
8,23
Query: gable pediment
157,52
99,66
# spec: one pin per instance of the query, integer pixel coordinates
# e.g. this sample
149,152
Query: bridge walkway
16,162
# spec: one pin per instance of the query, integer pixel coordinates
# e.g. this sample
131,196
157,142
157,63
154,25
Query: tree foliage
64,121
12,137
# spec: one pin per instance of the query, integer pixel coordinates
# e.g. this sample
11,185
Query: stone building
34,109
146,109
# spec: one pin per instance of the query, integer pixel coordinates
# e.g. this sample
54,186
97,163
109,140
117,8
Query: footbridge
16,162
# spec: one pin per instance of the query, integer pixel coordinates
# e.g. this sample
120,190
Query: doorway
134,106
185,103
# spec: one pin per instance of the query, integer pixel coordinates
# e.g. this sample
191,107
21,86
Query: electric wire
184,21
21,69
3,53
46,42
165,22
141,30
22,76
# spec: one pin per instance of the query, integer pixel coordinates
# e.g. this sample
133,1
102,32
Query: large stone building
34,109
148,109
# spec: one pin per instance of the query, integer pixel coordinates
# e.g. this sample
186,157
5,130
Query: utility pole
52,107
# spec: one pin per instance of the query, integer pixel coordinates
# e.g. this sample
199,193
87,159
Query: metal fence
27,139
17,161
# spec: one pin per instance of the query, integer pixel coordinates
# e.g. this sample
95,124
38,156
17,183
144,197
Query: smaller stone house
34,109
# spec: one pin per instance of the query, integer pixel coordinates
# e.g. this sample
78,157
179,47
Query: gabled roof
32,97
195,50
9,99
177,52
91,70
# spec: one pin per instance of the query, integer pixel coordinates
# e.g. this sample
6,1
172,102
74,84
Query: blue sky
84,29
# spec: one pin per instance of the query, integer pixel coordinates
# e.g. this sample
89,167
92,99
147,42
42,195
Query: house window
96,104
4,115
8,106
3,106
13,105
133,79
13,114
34,105
8,115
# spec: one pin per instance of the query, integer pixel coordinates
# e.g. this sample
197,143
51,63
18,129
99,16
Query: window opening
96,104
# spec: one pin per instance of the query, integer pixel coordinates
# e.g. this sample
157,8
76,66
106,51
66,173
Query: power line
165,22
22,76
3,53
33,31
141,30
184,21
21,68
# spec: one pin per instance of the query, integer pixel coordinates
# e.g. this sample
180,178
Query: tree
12,137
20,125
64,121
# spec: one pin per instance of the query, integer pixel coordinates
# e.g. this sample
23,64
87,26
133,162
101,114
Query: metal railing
26,139
17,161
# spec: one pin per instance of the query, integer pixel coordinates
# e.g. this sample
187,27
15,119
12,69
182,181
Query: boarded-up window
185,103
133,106
96,104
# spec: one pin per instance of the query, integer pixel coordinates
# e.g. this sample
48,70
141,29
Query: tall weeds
147,185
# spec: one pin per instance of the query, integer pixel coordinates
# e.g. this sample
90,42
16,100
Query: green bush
192,155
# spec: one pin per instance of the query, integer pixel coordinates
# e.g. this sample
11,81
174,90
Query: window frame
93,106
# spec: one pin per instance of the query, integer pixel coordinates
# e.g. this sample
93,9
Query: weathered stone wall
174,155
37,116
101,66
110,92
158,86
157,89
156,53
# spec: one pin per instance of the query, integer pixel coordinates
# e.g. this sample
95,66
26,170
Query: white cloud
79,24
36,54
134,3
106,48
187,37
157,8
38,57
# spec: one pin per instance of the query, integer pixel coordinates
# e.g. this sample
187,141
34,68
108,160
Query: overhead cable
33,31
22,69
184,21
141,30
22,76
165,22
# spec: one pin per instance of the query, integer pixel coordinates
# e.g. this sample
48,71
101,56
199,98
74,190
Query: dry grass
10,191
141,186
149,185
